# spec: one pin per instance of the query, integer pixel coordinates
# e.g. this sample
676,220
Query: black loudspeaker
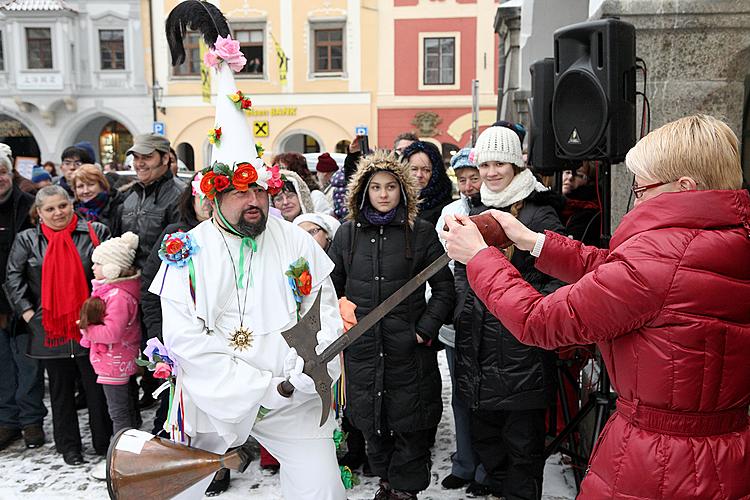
593,106
541,136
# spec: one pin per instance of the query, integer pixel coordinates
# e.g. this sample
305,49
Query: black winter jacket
393,383
19,204
24,282
151,303
493,370
147,210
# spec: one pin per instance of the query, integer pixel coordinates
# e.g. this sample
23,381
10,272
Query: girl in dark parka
393,381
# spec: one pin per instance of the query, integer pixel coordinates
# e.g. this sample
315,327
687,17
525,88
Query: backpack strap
94,238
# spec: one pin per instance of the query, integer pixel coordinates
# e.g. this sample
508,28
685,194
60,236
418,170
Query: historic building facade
72,71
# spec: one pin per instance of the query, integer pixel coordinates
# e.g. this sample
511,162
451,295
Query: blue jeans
465,460
21,383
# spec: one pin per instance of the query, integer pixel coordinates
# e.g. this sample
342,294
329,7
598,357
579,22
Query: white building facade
73,71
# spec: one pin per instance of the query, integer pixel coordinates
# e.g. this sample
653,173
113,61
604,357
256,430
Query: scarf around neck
378,218
64,286
92,209
522,185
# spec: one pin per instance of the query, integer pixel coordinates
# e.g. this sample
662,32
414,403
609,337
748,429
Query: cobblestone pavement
42,474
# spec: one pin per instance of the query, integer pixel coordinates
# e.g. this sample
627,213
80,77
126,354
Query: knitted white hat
116,255
498,144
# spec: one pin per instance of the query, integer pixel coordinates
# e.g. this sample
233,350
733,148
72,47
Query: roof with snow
36,5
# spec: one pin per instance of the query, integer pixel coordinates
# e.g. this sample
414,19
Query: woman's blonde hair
699,146
90,174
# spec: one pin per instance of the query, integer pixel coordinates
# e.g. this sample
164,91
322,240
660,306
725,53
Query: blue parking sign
361,130
160,128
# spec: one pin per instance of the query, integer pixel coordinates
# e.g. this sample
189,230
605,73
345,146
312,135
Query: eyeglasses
285,196
314,230
71,163
639,190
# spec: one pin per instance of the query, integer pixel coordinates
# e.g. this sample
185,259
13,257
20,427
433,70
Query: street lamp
156,95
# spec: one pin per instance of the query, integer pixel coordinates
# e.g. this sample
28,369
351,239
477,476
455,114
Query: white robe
220,388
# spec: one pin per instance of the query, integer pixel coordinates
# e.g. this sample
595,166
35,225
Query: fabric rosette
244,175
177,248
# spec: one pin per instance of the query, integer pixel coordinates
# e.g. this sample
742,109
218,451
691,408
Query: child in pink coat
110,325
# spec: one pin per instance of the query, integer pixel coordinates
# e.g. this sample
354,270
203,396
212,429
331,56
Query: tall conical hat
234,159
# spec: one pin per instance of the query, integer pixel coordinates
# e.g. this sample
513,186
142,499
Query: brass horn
141,465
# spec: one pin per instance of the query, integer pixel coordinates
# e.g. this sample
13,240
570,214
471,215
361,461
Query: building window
2,53
39,48
439,61
192,64
329,50
251,44
112,49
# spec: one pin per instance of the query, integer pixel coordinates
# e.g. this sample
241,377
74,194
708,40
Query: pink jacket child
113,345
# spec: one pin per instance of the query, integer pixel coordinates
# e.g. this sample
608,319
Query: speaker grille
579,112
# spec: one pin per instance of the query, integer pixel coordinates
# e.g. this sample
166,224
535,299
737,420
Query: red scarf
64,286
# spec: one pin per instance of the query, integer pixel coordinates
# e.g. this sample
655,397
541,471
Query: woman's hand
27,315
523,237
463,239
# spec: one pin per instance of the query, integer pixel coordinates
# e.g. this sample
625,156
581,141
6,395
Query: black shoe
8,436
80,401
384,491
146,401
73,458
402,495
452,482
219,485
476,490
33,435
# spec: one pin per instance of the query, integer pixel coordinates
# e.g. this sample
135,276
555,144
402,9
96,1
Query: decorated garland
220,177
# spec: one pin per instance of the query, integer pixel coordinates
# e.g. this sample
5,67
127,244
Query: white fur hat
498,144
116,255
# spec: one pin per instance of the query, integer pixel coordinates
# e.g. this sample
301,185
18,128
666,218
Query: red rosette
221,183
207,185
305,283
244,175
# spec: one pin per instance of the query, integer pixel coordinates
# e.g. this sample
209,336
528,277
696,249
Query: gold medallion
242,339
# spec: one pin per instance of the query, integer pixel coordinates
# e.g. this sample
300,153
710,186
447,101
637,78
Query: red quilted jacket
669,307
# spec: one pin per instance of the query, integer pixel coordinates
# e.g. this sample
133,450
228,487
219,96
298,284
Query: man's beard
253,229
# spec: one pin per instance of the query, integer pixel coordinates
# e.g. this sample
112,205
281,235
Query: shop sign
260,129
280,111
40,81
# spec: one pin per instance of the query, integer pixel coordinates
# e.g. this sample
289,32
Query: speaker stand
601,401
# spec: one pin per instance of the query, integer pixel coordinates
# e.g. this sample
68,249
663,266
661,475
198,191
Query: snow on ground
41,474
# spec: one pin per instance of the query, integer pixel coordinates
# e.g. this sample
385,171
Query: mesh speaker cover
579,112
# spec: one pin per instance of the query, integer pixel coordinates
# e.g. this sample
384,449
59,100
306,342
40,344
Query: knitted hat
498,144
326,164
519,129
461,159
38,174
116,255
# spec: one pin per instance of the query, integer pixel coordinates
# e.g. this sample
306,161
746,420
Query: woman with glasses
581,214
668,305
321,227
294,198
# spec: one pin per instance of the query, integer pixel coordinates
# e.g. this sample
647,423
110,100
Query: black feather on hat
199,16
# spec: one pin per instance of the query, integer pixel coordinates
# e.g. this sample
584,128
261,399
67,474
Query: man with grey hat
149,207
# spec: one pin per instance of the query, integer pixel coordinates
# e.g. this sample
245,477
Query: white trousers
309,469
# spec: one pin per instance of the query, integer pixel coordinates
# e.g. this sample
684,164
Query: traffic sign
260,129
160,128
361,130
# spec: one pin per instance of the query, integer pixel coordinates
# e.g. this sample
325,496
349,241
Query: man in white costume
225,301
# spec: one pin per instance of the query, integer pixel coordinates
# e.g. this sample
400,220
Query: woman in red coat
669,306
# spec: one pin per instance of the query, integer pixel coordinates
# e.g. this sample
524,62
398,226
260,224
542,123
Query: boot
99,472
33,435
7,436
219,485
384,491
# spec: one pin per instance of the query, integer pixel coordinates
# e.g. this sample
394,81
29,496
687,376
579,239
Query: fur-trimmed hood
382,161
303,192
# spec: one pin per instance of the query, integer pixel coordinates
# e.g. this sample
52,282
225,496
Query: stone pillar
508,28
698,58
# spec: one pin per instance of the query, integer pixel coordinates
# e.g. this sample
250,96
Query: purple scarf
378,218
92,209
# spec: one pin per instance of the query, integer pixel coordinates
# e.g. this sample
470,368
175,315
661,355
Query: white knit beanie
498,144
116,255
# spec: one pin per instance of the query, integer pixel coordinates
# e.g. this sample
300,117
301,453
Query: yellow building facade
311,75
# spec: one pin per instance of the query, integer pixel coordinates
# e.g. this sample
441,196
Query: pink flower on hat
227,50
